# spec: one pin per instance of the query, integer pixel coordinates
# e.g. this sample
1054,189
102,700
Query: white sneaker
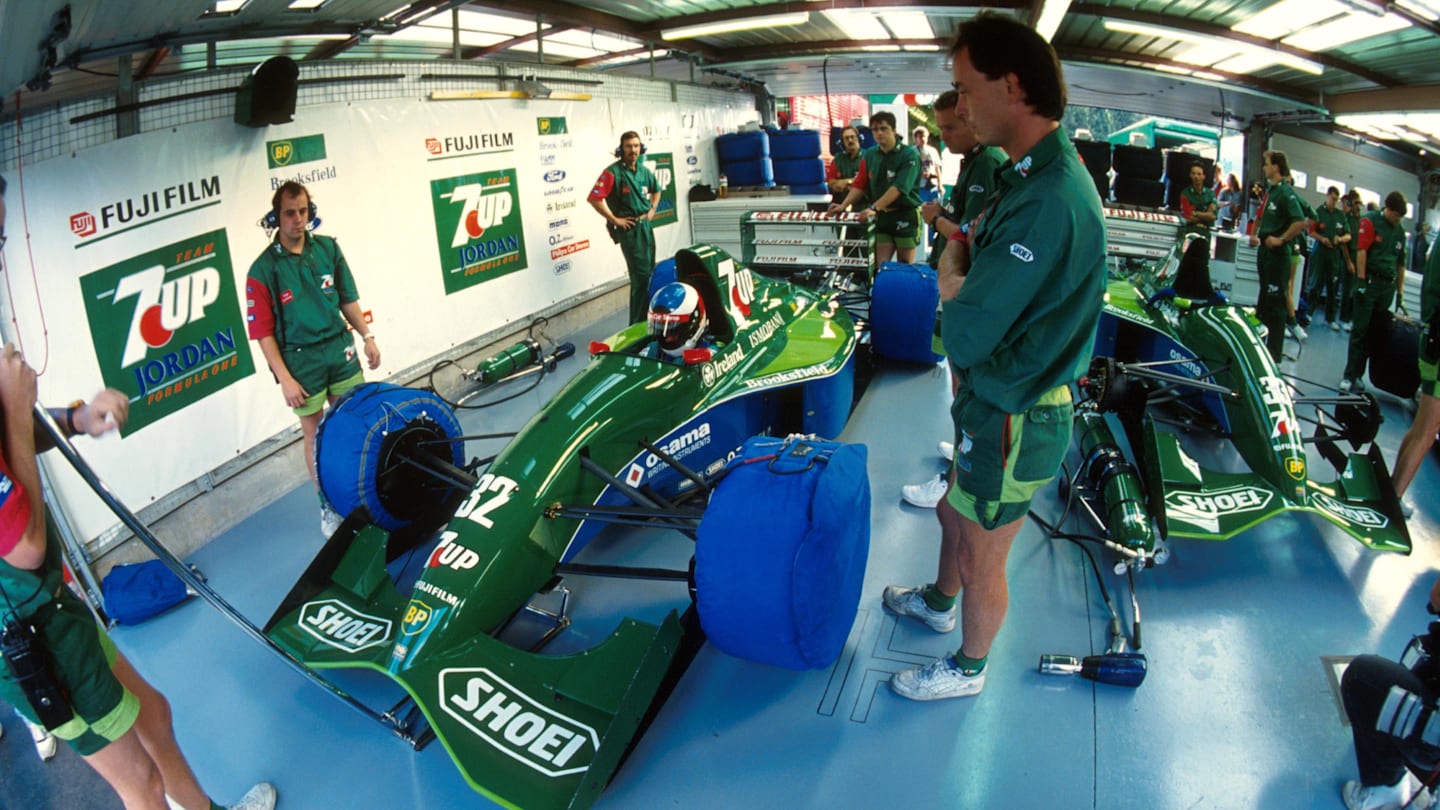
1407,509
45,744
330,520
260,797
937,680
946,450
1334,326
1345,385
1387,797
925,495
911,602
1345,325
1298,332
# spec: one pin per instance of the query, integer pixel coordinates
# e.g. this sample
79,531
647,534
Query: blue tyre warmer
739,146
902,312
780,556
137,591
802,172
758,172
794,144
827,402
359,438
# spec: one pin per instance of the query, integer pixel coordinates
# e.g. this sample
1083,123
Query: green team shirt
1384,246
296,297
1281,210
900,167
627,191
1197,202
1430,288
1331,223
1354,222
1024,321
845,167
971,190
29,590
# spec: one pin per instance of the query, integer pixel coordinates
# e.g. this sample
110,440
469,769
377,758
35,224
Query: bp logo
292,151
417,617
478,227
166,326
551,126
1296,468
516,724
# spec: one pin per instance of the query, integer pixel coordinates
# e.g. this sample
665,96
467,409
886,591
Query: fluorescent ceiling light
229,6
443,36
554,48
1429,9
1051,15
1207,54
1252,54
880,48
858,25
1351,28
909,25
1289,16
484,22
306,5
739,24
1366,6
922,47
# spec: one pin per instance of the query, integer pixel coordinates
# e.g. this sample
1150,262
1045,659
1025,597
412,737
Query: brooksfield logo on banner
478,227
166,326
146,208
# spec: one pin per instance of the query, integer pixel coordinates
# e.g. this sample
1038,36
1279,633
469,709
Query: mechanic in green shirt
1281,218
300,296
1379,274
889,174
1197,203
844,165
1421,436
626,194
1332,231
1022,294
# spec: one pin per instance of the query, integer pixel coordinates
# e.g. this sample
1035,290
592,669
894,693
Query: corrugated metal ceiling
1145,55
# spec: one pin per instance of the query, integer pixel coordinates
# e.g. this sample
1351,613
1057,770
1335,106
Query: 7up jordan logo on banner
663,165
478,227
166,326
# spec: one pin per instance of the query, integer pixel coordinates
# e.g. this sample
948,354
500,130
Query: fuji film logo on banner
167,327
145,208
479,228
484,143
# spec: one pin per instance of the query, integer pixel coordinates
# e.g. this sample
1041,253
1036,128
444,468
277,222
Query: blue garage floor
1239,709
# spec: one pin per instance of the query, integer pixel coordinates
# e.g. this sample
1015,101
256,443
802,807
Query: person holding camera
1391,708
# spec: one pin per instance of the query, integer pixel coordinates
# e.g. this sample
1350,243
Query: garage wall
1317,159
459,219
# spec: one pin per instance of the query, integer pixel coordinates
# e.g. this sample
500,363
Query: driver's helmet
677,318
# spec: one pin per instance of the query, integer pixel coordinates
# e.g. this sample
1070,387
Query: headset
271,220
619,148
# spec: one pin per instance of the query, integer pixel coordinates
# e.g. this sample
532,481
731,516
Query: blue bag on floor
137,591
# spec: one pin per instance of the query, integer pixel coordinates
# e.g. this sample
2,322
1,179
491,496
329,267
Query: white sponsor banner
371,168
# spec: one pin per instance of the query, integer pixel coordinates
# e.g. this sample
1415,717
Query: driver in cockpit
676,322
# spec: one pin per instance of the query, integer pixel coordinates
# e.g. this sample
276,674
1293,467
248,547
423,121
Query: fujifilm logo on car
337,624
515,724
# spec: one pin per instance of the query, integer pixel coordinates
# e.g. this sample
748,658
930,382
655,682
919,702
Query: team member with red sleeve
1197,203
1379,272
626,195
889,175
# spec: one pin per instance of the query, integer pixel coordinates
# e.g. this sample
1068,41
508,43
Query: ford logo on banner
554,176
692,160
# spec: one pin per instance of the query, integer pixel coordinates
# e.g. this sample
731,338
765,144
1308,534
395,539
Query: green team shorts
82,657
901,227
1002,459
325,370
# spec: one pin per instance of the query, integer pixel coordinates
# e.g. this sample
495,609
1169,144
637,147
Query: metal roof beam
1100,56
478,53
1220,32
1395,99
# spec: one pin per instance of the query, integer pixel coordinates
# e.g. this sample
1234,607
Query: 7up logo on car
478,227
166,326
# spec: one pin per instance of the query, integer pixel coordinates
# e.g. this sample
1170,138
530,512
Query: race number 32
490,493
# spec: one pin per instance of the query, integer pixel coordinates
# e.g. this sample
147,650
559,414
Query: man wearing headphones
626,194
300,294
